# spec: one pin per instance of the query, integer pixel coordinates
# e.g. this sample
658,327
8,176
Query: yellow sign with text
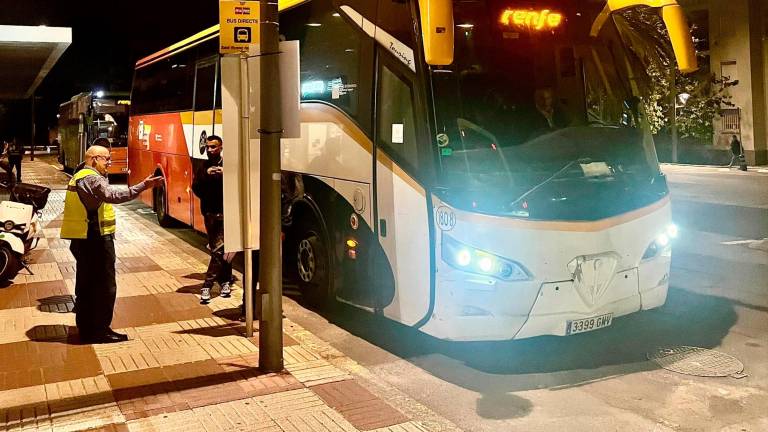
239,25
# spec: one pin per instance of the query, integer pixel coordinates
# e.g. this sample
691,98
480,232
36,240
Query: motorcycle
19,224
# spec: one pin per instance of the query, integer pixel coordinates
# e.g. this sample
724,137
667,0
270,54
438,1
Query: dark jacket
14,149
735,147
209,188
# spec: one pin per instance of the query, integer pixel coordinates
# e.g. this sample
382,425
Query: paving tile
316,372
40,256
241,415
175,261
20,378
158,281
78,388
298,354
41,290
254,383
144,393
204,383
362,408
325,420
114,427
51,232
125,250
23,324
56,223
138,311
129,361
56,243
59,361
140,264
25,418
62,255
41,273
229,346
182,421
68,270
13,296
128,285
410,426
284,404
19,397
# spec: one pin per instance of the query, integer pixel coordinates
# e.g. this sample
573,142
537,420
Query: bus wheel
159,205
313,268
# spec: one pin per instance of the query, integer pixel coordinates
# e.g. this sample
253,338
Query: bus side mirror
437,31
680,36
674,20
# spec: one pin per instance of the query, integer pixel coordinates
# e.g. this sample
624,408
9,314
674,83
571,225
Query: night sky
107,39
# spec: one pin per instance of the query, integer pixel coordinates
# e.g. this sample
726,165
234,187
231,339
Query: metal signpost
270,268
244,24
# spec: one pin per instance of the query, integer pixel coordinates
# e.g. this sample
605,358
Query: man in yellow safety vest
89,222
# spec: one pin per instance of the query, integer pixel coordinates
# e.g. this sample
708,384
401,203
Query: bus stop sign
239,25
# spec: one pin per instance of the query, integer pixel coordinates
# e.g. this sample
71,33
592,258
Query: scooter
19,224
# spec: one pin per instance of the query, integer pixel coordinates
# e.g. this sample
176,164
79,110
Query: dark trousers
14,161
95,286
219,269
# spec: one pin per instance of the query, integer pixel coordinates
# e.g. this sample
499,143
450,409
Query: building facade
732,39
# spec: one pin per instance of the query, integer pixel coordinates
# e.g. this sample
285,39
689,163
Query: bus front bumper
465,313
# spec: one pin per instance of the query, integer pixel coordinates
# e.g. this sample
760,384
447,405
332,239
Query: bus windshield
110,121
532,95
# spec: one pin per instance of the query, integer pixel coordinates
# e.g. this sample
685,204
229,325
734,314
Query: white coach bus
481,169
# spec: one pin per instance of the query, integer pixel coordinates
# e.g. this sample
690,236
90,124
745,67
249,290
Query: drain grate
697,361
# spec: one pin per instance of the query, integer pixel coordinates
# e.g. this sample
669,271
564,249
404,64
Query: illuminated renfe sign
544,19
123,102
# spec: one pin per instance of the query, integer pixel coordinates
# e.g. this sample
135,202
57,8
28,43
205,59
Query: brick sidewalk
187,366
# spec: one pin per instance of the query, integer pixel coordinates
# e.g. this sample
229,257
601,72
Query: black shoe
106,337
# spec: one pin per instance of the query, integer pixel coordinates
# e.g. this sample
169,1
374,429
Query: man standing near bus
13,150
208,185
89,222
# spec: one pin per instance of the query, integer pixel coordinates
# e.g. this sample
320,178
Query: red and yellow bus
176,104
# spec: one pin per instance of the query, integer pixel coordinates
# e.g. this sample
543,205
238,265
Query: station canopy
27,54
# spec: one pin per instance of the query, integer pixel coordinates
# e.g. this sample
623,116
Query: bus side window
336,58
396,123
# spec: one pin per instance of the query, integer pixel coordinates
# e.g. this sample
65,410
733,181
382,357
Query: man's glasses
211,146
106,158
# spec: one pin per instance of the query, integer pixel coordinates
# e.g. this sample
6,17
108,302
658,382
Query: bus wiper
552,177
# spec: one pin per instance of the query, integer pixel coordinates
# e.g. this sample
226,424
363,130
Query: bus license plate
588,324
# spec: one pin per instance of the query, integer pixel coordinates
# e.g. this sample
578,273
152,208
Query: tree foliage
707,95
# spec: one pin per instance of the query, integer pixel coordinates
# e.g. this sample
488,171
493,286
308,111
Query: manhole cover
697,361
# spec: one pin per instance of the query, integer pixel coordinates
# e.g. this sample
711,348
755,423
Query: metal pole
32,139
270,268
675,135
245,190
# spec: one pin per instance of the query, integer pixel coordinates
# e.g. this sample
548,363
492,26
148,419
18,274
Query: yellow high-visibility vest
75,224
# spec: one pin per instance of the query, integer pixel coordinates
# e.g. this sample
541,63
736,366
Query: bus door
401,202
204,120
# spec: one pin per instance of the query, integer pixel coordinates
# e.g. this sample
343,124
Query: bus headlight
661,245
471,260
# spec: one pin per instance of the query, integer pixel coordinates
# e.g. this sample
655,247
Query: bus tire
313,266
9,263
159,205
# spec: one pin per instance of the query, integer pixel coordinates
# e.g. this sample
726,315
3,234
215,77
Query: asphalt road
601,380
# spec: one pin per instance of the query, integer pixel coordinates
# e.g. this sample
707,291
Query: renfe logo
240,10
530,19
